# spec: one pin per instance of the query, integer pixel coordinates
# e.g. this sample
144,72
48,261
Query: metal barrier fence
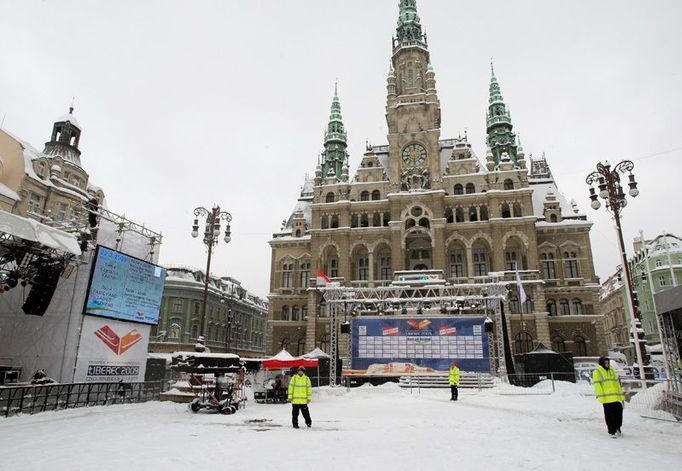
529,380
658,400
39,398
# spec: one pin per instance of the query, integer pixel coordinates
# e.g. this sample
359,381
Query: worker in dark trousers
609,393
454,381
300,394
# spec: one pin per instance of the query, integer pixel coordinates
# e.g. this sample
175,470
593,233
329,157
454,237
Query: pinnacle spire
334,155
501,140
409,27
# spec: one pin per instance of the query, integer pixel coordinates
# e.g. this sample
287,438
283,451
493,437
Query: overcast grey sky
194,103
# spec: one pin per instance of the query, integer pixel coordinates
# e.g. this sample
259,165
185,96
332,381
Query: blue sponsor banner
427,342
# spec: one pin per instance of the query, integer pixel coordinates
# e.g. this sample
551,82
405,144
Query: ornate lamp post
611,190
211,235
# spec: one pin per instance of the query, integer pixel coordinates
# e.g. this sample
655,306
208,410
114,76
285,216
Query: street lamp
229,329
211,235
608,181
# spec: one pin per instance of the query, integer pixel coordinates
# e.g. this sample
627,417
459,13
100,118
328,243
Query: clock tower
412,108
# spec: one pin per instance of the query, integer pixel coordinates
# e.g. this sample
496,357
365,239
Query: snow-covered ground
365,428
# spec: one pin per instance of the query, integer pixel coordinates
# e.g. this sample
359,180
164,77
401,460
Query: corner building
426,203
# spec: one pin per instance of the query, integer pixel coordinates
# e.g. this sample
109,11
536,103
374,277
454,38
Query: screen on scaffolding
419,345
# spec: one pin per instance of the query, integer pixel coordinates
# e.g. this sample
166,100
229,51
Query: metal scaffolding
396,300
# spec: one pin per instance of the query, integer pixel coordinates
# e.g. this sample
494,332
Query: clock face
414,154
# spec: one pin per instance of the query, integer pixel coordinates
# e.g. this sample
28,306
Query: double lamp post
608,181
212,231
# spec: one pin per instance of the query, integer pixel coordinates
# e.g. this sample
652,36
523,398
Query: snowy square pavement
378,428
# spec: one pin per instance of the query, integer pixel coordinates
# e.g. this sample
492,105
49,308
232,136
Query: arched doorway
418,251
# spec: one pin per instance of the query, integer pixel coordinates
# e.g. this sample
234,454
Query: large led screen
425,343
124,287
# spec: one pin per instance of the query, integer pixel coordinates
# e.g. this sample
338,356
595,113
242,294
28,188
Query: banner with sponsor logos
111,351
386,344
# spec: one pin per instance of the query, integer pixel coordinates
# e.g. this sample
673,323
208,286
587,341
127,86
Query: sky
187,104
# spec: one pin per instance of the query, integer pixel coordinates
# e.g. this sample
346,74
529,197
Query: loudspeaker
43,286
345,328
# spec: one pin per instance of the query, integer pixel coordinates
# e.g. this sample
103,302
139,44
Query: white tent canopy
283,355
317,353
28,229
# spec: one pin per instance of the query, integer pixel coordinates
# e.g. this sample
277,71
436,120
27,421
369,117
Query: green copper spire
334,155
501,140
409,28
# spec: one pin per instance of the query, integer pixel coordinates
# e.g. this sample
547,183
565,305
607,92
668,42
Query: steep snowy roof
541,188
664,244
303,204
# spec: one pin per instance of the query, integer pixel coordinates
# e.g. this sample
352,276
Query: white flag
519,286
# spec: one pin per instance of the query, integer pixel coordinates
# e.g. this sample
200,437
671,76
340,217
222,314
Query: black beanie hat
602,361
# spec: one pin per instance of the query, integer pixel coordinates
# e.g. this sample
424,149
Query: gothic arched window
364,196
376,195
506,213
508,184
330,197
571,265
579,346
470,188
523,342
551,307
473,214
558,344
458,190
564,309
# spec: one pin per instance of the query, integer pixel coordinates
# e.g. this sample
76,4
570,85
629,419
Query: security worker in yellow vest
454,380
300,394
609,392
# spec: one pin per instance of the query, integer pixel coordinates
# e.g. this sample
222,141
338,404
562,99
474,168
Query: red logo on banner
118,345
419,325
390,331
448,330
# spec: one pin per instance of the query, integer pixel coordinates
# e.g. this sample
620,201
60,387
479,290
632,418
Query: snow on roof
6,191
563,222
70,118
31,154
664,243
29,229
540,192
303,204
446,147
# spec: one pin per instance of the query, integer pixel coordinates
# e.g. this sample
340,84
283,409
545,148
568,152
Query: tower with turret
424,204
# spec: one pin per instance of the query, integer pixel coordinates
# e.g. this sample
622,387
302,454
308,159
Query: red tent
284,360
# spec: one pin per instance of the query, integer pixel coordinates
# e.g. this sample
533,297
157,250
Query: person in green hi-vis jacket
454,380
300,394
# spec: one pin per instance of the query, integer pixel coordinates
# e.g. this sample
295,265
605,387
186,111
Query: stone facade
235,318
426,203
616,325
